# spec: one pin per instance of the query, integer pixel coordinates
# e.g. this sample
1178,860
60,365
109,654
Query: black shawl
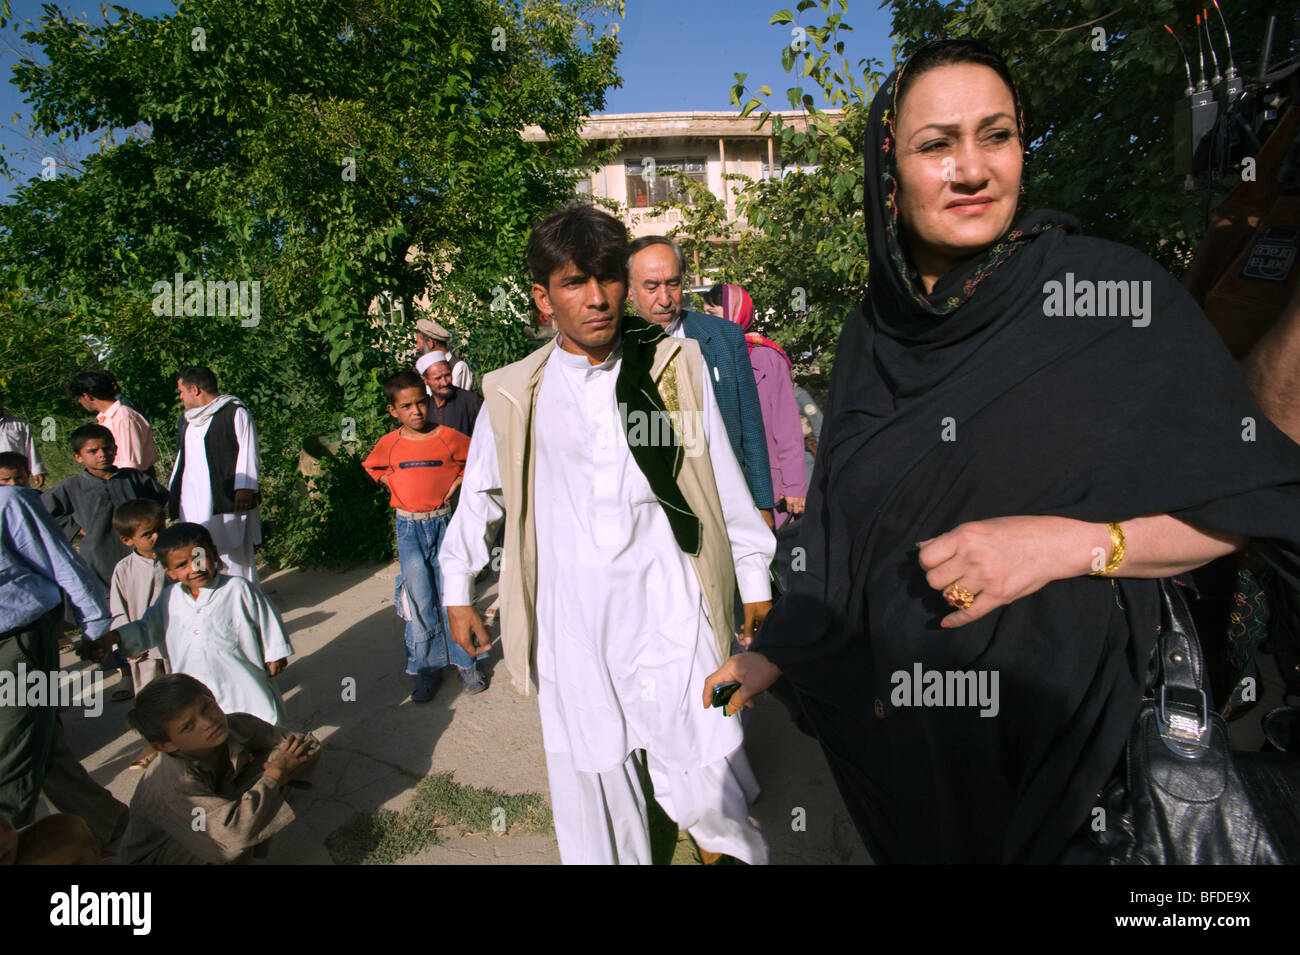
638,395
1095,418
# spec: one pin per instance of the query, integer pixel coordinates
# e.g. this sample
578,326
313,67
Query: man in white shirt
623,547
214,481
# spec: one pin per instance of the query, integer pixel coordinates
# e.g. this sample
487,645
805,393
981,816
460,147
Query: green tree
329,150
801,251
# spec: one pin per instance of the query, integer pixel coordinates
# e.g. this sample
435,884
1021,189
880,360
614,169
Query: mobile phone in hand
723,692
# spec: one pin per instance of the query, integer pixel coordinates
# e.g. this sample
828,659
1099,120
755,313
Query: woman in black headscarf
1028,426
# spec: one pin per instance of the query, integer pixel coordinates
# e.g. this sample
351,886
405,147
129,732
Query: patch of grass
379,838
471,809
385,837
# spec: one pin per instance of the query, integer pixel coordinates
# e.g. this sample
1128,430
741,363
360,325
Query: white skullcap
432,358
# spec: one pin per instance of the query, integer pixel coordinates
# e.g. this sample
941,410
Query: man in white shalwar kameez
214,481
623,634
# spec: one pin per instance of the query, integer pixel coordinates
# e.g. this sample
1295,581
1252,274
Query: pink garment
737,306
132,435
785,448
781,423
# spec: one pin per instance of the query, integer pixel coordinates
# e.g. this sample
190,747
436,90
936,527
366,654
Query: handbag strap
1183,711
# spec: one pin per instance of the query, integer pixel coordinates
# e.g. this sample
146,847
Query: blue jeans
429,646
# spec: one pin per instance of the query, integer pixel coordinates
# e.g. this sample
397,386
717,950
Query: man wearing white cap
452,406
429,337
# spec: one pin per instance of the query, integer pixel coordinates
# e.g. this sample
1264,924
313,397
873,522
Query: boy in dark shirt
421,464
14,470
84,504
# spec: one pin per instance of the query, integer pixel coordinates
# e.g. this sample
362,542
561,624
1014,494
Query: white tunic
623,640
16,435
461,376
230,532
222,638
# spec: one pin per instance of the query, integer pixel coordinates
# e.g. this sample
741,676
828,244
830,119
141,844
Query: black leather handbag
1185,799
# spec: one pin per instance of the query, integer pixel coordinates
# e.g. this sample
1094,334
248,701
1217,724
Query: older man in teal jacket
655,266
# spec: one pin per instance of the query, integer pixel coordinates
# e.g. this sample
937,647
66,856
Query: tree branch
1062,31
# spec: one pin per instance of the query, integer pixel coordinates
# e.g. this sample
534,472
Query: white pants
236,535
241,562
600,818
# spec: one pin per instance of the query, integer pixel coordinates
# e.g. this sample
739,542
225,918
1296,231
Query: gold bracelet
1117,547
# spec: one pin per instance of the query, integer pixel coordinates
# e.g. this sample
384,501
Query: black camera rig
1223,119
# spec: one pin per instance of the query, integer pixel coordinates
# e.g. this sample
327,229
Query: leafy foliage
330,150
338,514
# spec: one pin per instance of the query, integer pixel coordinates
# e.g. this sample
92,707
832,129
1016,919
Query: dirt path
378,744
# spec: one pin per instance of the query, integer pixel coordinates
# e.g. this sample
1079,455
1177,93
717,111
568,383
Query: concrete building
704,146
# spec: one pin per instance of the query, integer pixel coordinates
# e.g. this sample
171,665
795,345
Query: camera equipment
1224,119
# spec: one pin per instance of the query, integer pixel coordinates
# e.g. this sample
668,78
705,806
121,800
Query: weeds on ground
440,803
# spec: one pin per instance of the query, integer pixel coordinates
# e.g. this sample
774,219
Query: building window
783,171
390,308
645,189
581,181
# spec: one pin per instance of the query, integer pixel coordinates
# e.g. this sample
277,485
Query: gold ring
959,597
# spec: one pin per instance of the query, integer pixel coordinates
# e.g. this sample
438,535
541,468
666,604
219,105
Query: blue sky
676,55
681,54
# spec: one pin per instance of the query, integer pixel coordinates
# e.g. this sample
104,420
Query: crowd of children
199,649
171,610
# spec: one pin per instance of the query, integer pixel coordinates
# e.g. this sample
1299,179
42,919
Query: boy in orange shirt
421,465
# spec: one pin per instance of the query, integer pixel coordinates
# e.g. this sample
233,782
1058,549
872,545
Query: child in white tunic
220,630
138,580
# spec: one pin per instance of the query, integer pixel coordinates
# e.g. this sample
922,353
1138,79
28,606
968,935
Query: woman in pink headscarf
775,396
